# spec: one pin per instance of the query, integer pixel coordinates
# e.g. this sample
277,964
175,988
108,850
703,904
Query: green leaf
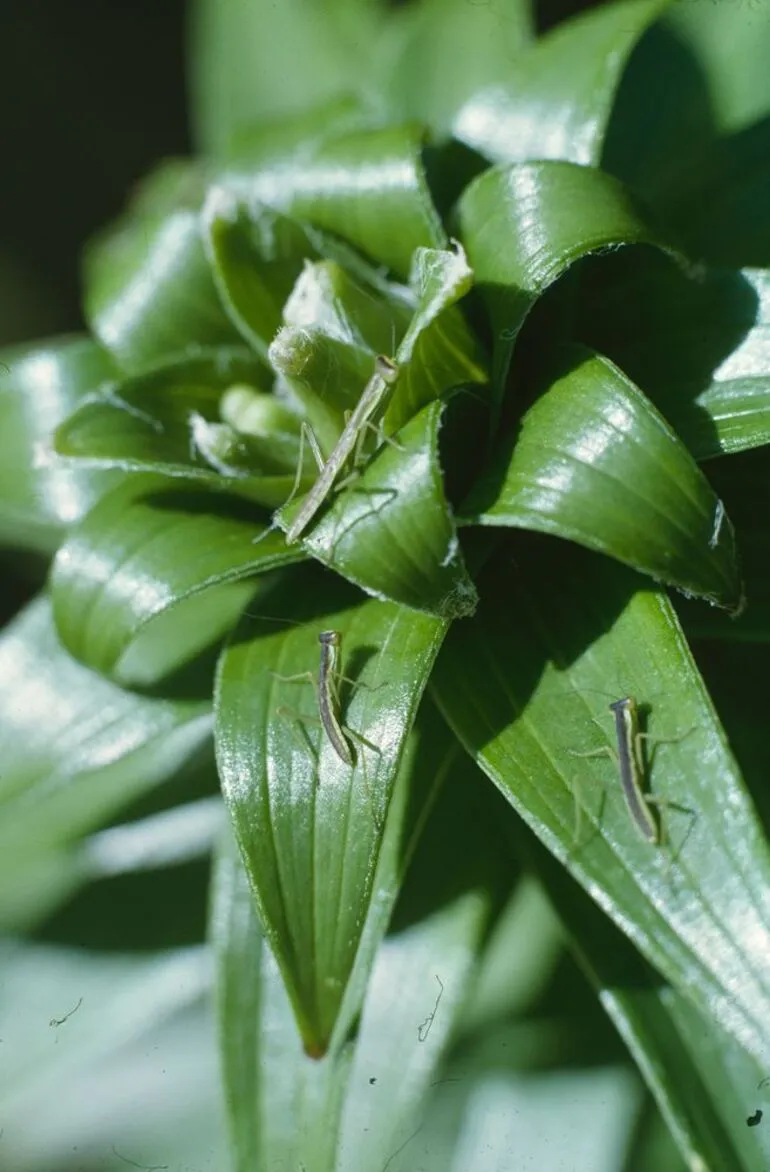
333,328
203,420
699,154
594,462
743,484
281,1104
242,56
425,971
392,532
157,572
524,225
149,291
309,827
334,323
39,385
692,1068
253,1004
449,49
554,101
695,342
438,350
387,217
110,1059
256,255
75,749
286,1108
167,839
547,637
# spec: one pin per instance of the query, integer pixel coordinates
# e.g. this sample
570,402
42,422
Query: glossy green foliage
594,461
559,263
39,386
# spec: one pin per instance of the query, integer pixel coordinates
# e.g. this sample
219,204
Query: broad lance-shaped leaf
392,532
526,685
367,186
697,343
39,385
555,100
157,572
594,462
280,1103
308,825
286,1108
524,225
700,1077
75,748
204,419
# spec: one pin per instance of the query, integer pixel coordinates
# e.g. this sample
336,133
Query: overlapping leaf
75,748
556,100
700,1077
524,225
519,685
409,555
39,386
698,343
594,462
157,572
354,1106
447,51
203,419
699,154
150,294
308,825
393,532
387,217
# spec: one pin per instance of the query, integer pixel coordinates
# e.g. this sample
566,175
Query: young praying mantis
328,694
327,690
630,760
372,398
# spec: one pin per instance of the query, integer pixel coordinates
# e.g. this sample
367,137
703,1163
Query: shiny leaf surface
39,386
524,225
366,1097
698,343
309,826
175,421
526,685
449,49
367,186
149,290
594,462
392,531
156,573
699,1076
554,102
76,749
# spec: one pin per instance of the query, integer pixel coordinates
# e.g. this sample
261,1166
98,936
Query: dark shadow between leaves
668,329
663,140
